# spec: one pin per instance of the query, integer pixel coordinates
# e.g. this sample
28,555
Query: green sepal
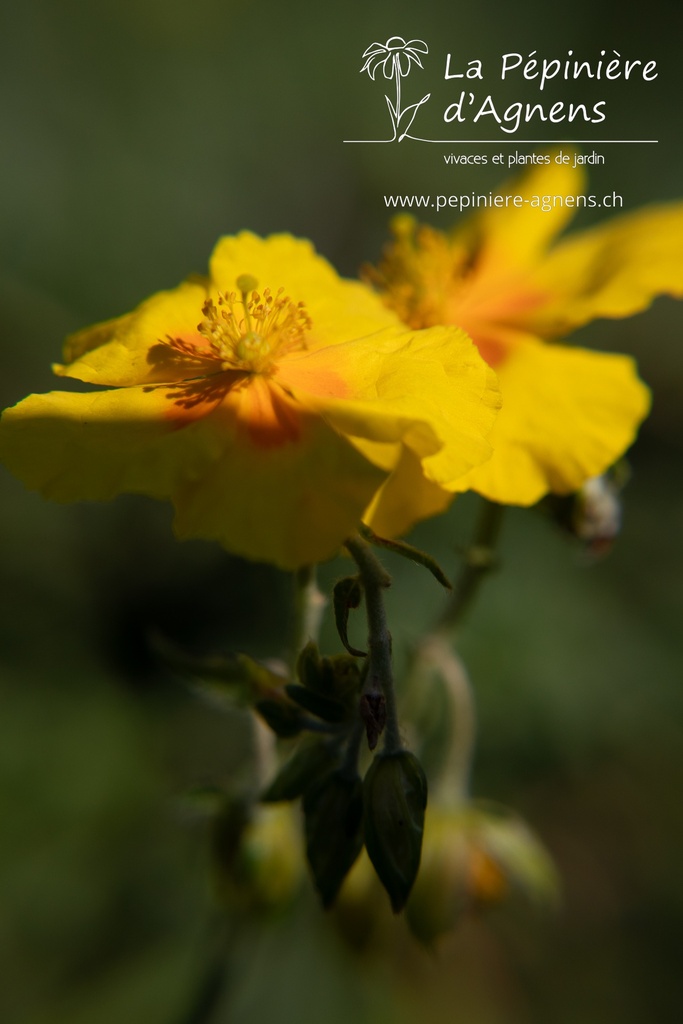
399,547
395,799
233,680
309,666
347,594
281,715
327,708
342,676
333,813
335,676
304,769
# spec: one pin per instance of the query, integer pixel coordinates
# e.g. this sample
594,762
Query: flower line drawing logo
396,58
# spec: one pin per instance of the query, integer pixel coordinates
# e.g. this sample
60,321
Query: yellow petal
430,390
406,498
286,491
129,350
292,505
567,415
73,447
516,236
613,270
277,461
339,309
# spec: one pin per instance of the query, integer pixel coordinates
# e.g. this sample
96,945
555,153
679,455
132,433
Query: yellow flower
476,855
261,867
270,402
568,413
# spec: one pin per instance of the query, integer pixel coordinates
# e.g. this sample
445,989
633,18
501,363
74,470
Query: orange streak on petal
268,418
495,301
191,400
492,350
310,374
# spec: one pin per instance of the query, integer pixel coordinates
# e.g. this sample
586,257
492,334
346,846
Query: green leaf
407,551
233,680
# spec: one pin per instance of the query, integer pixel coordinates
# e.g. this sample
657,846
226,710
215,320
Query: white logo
396,58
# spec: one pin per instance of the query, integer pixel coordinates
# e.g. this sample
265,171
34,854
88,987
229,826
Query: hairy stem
436,655
479,560
380,675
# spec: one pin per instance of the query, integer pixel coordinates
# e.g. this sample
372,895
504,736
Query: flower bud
395,795
258,857
597,514
312,760
475,856
333,811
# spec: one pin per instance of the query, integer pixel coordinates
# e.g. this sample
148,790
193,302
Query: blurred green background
132,134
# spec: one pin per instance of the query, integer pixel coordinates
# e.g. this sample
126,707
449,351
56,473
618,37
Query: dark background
132,135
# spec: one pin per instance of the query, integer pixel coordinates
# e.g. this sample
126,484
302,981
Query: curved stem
479,560
436,653
212,985
380,677
207,997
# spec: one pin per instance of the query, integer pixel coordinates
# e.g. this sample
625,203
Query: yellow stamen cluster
250,331
420,273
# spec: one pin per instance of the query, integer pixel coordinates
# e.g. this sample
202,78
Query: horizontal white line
518,142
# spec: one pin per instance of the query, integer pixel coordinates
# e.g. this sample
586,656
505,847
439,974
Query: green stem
207,996
436,654
479,560
212,985
380,675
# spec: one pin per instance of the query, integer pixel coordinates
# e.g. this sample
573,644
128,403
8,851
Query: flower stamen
252,331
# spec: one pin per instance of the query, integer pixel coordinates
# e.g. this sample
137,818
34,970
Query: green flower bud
333,811
395,796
